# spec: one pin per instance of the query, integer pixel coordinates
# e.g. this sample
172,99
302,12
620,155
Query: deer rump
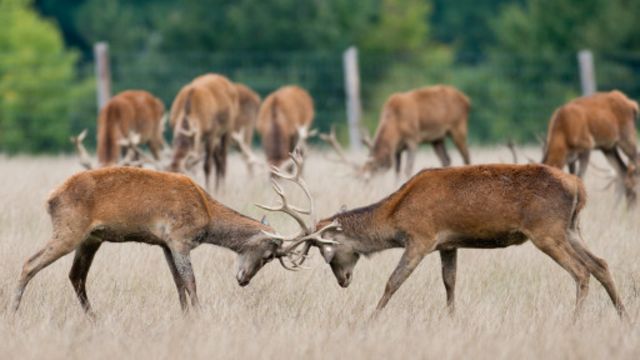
602,120
128,112
279,118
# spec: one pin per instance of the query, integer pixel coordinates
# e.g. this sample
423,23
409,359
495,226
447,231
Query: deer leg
411,159
599,268
182,261
51,252
411,258
583,161
558,248
208,161
80,269
155,147
572,167
176,278
398,161
448,258
459,137
441,152
220,159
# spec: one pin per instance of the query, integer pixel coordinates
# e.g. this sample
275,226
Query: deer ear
264,220
328,252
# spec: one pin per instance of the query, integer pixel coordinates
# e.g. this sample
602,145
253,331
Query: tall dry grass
514,302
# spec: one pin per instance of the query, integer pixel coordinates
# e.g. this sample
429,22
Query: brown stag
284,116
427,114
202,116
122,204
604,121
131,111
484,206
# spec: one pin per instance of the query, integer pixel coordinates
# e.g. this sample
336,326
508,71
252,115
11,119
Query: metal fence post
103,73
352,89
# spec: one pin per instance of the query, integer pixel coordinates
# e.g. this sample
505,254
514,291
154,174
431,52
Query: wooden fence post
352,89
103,73
587,72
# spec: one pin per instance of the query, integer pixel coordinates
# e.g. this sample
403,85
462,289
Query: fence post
587,72
103,73
352,89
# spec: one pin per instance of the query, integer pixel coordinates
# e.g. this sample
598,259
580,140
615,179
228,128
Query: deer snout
345,280
242,279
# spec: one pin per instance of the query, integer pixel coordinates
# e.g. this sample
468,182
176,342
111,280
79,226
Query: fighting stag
604,121
308,234
483,207
123,204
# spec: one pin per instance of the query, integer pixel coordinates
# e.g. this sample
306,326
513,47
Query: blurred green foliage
516,59
38,87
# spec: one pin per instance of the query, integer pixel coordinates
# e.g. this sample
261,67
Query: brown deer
484,206
202,116
131,111
283,115
604,121
122,204
427,114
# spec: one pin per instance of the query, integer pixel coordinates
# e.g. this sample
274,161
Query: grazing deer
281,117
484,206
131,111
202,116
249,104
122,204
427,114
604,121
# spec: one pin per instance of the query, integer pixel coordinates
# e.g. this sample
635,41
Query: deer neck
236,234
367,231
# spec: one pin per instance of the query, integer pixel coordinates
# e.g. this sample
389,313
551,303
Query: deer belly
497,240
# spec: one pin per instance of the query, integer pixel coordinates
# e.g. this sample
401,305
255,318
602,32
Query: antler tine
245,149
85,160
286,208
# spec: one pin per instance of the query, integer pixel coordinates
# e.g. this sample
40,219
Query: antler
249,157
85,160
307,232
134,155
332,140
365,138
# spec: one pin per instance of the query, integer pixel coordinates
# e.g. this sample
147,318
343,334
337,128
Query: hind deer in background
483,207
131,111
604,121
284,120
428,114
202,117
123,204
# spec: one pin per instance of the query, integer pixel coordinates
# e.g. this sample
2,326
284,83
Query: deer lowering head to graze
604,121
284,116
131,111
428,114
249,104
202,116
484,206
123,204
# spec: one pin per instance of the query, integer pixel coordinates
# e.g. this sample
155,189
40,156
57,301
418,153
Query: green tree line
516,59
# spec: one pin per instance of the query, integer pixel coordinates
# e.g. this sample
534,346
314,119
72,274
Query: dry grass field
511,303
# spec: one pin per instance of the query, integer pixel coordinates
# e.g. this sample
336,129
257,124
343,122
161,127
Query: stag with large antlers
486,206
604,121
131,111
121,204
